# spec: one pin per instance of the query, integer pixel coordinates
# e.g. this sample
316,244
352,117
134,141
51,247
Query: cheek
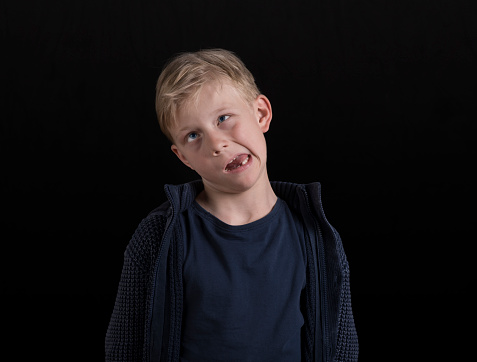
248,130
199,161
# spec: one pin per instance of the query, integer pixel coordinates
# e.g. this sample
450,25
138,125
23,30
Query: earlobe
180,156
264,111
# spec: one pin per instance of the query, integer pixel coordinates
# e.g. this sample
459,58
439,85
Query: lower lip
243,167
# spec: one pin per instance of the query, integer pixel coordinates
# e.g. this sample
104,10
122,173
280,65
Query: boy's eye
192,136
223,118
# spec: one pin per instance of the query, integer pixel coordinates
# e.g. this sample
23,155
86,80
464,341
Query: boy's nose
217,144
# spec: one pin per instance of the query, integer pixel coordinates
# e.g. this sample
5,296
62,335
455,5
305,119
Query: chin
242,185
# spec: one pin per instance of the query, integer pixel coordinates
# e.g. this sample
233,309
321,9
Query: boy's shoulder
155,222
164,210
148,233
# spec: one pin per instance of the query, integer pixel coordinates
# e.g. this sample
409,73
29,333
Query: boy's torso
242,286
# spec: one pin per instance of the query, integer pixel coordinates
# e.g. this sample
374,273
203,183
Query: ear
263,109
180,156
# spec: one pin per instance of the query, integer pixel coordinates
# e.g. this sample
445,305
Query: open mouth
237,162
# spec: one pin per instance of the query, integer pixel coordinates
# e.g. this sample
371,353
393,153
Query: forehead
210,98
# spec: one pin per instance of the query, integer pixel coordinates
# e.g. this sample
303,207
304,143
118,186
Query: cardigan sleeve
347,346
125,334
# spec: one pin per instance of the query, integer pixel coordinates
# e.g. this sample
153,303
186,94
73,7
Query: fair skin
221,137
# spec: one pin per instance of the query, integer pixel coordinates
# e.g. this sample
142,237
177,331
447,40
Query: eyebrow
186,128
221,109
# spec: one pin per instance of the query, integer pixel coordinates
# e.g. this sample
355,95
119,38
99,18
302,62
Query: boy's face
221,137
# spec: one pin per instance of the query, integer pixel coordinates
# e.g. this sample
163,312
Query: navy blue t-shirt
242,287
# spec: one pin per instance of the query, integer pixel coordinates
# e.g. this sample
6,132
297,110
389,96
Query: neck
239,208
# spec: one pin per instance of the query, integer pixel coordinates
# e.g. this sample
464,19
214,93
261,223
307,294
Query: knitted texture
347,345
176,303
125,334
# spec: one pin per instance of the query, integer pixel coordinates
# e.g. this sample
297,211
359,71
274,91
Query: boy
231,267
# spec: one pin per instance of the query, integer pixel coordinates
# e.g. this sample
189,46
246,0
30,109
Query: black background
374,99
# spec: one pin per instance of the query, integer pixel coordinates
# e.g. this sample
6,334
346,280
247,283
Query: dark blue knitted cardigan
146,321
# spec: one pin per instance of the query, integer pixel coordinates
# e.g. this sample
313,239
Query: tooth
245,161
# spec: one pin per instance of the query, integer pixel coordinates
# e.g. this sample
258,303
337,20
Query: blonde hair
184,75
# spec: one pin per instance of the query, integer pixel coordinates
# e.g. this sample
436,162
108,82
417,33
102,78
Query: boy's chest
240,271
242,286
241,262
